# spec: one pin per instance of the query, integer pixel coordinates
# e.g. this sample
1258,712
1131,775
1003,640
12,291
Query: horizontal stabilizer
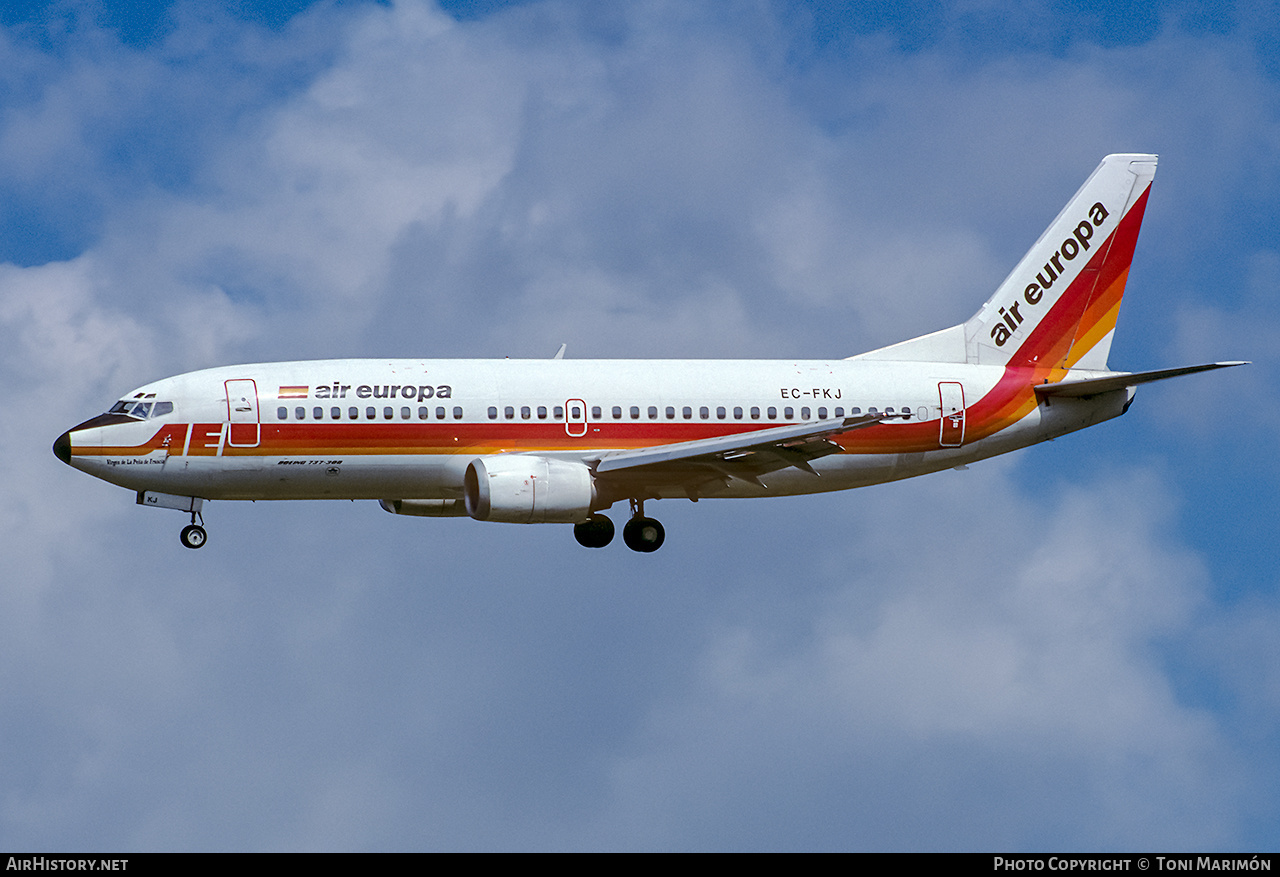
1094,386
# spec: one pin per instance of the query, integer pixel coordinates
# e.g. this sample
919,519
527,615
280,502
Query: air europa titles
339,390
1054,269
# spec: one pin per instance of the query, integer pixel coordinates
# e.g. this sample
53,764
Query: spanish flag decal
293,392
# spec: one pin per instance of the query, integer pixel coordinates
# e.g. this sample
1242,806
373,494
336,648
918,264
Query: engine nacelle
525,489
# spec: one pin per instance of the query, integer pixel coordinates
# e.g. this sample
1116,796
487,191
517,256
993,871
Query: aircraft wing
702,465
1094,386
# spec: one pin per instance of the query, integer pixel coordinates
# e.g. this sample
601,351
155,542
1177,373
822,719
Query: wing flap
742,455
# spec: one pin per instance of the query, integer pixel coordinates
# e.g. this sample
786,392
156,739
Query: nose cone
62,447
89,434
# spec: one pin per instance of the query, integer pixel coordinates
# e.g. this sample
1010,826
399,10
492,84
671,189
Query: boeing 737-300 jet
560,441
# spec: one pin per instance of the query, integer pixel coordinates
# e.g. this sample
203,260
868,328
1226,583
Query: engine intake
525,489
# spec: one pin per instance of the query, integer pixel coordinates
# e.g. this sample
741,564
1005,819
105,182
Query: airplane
561,441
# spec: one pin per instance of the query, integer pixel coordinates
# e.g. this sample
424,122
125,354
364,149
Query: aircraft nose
62,447
87,434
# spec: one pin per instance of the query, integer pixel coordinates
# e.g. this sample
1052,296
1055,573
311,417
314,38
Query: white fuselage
344,429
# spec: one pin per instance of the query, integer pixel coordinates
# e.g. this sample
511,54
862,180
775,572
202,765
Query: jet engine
526,489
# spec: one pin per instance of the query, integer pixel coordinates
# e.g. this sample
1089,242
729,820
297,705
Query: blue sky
1068,648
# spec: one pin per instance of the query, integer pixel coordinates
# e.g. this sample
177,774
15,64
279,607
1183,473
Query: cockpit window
141,410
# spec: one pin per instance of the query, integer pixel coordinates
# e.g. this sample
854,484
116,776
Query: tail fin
1058,307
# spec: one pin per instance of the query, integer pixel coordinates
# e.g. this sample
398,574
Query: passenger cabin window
423,412
371,413
457,413
493,413
822,413
687,413
509,412
704,412
282,413
720,413
804,413
525,412
755,412
635,412
353,413
440,413
335,413
737,413
404,413
653,412
773,413
788,413
671,413
617,412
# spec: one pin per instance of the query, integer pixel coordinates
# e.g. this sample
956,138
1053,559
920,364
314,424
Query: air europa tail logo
1054,270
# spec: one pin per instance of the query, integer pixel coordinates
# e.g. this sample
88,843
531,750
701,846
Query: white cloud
993,656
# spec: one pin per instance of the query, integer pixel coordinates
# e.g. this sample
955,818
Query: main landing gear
643,534
193,535
640,533
595,532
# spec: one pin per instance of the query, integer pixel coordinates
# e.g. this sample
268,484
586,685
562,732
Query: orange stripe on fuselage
365,439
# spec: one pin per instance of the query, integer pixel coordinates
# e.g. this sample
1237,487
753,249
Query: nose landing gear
193,535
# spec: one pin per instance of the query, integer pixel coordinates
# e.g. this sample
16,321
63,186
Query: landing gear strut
641,533
193,535
595,532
